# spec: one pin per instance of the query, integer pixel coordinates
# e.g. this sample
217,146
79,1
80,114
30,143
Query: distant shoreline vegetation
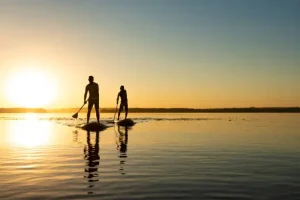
160,110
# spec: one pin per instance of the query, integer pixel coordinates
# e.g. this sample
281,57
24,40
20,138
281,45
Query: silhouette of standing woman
93,89
124,102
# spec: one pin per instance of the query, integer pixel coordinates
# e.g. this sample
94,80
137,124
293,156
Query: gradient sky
167,53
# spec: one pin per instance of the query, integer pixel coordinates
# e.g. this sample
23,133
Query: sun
30,88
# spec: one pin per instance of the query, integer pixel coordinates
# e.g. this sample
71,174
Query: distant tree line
161,110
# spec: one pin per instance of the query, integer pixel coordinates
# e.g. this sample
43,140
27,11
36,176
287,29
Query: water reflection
122,141
75,136
91,155
30,132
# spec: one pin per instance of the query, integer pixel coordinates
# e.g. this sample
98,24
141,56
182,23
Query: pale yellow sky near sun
164,58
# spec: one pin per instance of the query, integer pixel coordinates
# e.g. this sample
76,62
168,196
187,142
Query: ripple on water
213,160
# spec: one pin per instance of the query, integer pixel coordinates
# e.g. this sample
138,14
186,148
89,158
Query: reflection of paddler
91,155
122,141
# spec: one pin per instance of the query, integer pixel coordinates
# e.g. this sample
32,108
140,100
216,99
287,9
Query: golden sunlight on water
227,156
30,132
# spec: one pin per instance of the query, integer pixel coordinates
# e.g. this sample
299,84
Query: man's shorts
92,102
124,104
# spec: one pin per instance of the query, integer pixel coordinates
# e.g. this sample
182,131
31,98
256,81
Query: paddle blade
75,116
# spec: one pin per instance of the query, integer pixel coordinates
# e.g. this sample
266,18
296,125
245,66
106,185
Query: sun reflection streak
30,132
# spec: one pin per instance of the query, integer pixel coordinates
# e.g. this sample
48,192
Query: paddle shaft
81,107
76,114
115,112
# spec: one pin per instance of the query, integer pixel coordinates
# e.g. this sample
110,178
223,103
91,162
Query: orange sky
165,54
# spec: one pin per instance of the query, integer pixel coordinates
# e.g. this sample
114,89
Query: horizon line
246,107
160,110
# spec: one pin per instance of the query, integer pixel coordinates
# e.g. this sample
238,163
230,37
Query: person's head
91,79
122,87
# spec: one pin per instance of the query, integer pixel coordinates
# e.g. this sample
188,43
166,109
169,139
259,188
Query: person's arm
97,88
85,94
118,97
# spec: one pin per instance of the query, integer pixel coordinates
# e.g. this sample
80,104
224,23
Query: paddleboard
126,122
92,126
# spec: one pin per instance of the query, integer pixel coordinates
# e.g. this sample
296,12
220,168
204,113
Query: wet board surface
92,126
126,122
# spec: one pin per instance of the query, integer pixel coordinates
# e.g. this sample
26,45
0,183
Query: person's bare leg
90,106
126,111
120,110
88,115
98,115
119,114
97,112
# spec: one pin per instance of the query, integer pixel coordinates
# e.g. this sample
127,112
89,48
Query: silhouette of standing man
93,89
124,103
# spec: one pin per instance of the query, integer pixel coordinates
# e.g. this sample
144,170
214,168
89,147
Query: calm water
164,156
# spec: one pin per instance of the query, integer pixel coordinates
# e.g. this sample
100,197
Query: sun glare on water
30,88
30,132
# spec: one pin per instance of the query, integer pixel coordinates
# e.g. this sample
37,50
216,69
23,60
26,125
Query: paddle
75,116
115,112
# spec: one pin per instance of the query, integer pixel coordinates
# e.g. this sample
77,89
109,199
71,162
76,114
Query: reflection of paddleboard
92,126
